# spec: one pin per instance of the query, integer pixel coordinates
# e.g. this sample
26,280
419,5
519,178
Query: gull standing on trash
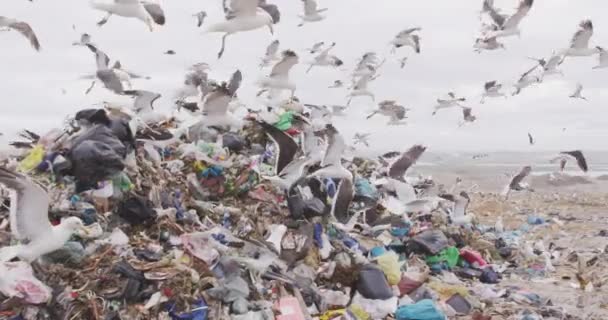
579,45
577,92
21,27
458,214
602,57
311,13
325,59
29,220
279,76
331,166
516,183
107,76
448,102
145,11
243,15
271,53
407,38
391,109
287,169
491,89
505,25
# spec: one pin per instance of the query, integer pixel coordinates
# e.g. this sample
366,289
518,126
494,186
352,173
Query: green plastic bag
285,121
449,255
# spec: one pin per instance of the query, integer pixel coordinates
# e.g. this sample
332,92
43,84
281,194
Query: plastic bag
285,121
33,159
432,241
372,284
18,280
389,263
422,310
450,256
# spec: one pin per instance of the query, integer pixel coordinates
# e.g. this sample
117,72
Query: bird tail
9,253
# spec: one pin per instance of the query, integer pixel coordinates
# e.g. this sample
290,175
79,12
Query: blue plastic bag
422,310
200,310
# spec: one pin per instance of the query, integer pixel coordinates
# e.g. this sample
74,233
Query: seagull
107,76
360,88
362,138
21,27
215,107
398,168
458,214
243,15
505,25
279,76
288,168
407,38
325,59
316,47
402,62
271,53
144,100
196,82
200,18
602,58
491,89
577,92
29,220
331,166
580,159
145,11
85,39
516,182
550,67
449,102
390,109
487,44
527,79
345,193
337,84
467,116
311,13
579,45
530,139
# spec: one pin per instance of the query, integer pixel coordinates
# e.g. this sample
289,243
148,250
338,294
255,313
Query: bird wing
29,211
525,171
309,140
216,102
144,100
580,159
341,201
283,67
407,159
489,85
527,73
407,32
554,61
26,31
499,19
101,59
310,7
155,11
530,138
580,40
335,147
398,112
272,48
522,11
285,144
110,80
466,112
244,7
362,82
460,205
235,82
273,11
405,191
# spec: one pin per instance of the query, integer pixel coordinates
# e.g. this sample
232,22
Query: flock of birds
319,154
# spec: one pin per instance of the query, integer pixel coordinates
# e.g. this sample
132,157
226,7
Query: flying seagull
407,38
360,88
85,39
487,44
29,220
530,139
491,89
242,15
527,79
467,116
325,59
579,45
459,209
402,62
200,18
279,76
580,159
505,25
316,47
390,109
550,66
448,102
331,166
144,100
516,183
148,12
362,138
107,76
288,168
215,107
311,12
577,92
21,27
271,53
602,58
337,84
398,168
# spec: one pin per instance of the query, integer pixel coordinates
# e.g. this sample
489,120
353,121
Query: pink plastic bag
289,308
18,280
473,257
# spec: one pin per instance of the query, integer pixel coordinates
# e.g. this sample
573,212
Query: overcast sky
33,83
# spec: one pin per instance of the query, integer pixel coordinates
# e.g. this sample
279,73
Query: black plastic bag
372,283
136,210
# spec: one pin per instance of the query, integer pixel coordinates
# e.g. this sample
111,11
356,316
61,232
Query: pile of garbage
187,225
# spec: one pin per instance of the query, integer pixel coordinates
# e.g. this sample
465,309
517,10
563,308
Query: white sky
32,82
